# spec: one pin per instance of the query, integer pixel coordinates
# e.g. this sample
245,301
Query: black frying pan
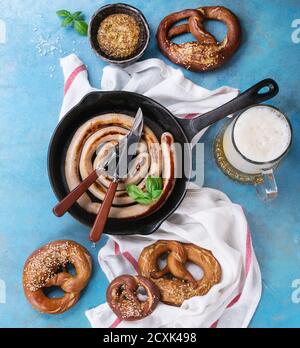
159,119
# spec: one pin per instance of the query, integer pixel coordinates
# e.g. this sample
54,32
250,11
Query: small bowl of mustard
119,33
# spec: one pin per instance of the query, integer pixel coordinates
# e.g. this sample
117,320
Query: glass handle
266,187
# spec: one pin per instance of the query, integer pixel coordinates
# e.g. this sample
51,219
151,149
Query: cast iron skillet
159,119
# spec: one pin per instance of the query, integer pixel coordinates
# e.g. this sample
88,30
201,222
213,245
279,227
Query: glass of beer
251,146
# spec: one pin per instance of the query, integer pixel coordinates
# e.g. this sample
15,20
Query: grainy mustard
118,35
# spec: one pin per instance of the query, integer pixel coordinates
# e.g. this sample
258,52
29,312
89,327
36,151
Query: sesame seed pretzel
122,297
46,267
180,285
205,53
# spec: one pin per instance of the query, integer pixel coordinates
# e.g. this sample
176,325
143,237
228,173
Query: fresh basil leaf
159,183
156,194
153,183
144,201
147,195
150,184
63,13
134,192
77,15
154,190
138,195
81,27
67,21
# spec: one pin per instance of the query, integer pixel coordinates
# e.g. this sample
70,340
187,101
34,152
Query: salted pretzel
122,297
180,285
46,267
205,53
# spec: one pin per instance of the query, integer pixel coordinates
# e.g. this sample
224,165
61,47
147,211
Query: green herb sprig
75,19
154,186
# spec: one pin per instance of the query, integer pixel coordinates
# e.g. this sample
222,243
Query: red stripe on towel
73,76
115,323
214,325
131,259
234,301
117,249
190,116
231,304
127,256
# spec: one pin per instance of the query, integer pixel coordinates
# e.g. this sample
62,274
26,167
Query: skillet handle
102,216
249,97
65,204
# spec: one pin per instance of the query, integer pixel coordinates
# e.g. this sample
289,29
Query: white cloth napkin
206,217
151,77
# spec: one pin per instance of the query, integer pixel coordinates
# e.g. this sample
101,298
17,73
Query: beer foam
262,134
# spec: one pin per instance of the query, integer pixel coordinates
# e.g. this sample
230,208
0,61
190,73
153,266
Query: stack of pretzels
172,285
205,53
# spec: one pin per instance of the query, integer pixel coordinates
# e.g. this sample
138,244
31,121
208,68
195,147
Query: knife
66,203
126,153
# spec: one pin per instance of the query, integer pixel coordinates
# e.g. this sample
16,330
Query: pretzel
182,285
46,267
205,53
122,297
155,158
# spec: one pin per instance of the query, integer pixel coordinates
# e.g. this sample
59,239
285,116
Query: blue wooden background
31,87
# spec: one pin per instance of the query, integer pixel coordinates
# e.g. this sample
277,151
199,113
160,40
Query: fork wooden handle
72,197
102,216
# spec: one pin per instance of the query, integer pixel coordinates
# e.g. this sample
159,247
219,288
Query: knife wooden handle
102,216
64,205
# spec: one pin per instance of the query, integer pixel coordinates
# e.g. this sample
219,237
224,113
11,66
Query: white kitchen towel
206,217
151,77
